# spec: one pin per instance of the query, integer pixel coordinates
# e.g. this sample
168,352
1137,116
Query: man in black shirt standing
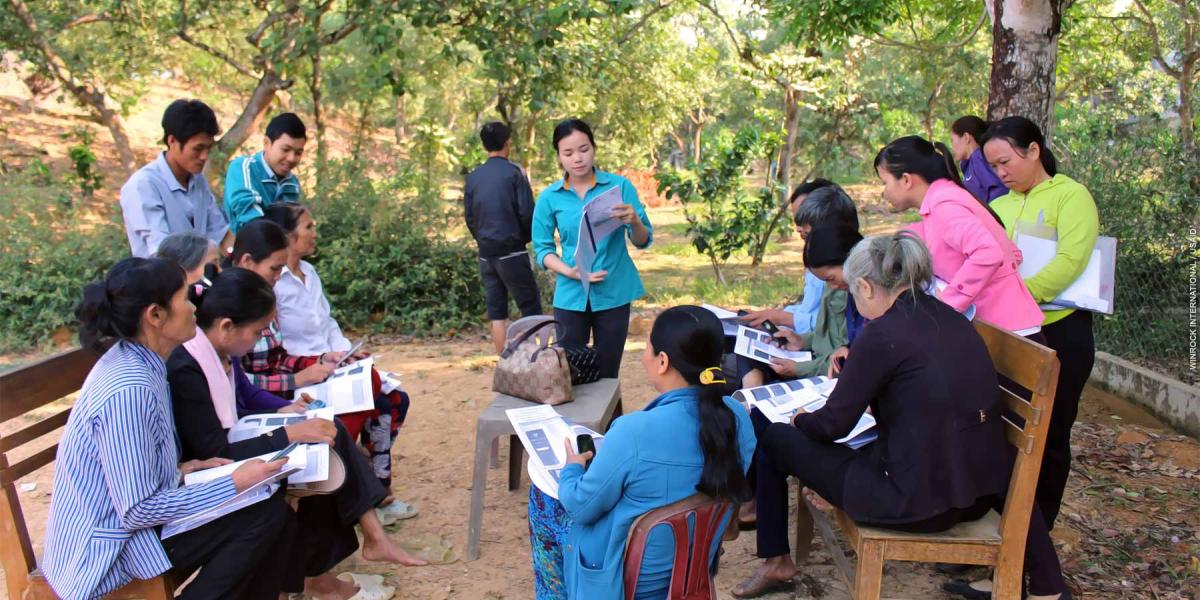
499,212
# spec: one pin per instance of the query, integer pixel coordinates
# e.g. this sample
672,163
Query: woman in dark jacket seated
209,390
925,374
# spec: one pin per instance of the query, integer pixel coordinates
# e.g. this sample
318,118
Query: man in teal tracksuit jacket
255,182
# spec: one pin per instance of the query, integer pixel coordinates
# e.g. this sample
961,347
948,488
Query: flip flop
398,510
370,587
759,585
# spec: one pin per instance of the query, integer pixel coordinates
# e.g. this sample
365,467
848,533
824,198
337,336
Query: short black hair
829,244
287,123
185,119
828,205
808,187
494,135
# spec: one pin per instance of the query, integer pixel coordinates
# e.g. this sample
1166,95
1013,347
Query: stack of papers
314,458
542,432
251,495
347,390
780,402
1092,291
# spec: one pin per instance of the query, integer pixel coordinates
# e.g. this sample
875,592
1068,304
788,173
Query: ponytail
113,308
1021,133
692,339
890,262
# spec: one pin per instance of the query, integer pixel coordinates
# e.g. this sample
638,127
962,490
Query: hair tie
711,375
198,289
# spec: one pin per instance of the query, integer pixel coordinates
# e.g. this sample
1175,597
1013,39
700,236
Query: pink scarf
220,382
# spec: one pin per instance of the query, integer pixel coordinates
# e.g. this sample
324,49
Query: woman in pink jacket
970,250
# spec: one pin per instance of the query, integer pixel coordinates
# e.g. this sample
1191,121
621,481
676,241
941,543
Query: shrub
384,260
48,251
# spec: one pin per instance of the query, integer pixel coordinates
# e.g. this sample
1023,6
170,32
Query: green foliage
383,261
722,217
48,251
1145,190
84,160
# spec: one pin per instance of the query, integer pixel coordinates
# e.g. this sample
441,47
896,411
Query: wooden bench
23,391
995,540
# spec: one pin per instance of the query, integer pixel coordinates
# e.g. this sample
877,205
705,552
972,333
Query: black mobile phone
585,444
773,329
840,362
284,452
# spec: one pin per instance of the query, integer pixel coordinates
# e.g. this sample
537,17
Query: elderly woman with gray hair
927,378
192,251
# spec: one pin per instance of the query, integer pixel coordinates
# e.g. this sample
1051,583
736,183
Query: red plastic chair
691,578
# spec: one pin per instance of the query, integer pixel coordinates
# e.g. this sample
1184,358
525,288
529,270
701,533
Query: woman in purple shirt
978,177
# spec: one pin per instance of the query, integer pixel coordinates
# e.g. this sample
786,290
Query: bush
1145,190
48,251
384,260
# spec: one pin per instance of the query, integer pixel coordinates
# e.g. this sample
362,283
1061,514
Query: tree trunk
400,129
235,136
314,88
1024,56
930,106
89,94
791,101
530,135
1186,119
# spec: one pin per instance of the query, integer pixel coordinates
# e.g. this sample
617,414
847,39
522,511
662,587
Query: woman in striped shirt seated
118,477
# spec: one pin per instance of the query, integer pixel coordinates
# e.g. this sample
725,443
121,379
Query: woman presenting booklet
599,310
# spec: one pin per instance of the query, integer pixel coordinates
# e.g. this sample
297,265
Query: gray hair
187,248
829,205
890,263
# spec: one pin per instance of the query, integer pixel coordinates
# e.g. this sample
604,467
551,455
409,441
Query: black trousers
325,532
607,329
821,466
1075,344
509,276
241,555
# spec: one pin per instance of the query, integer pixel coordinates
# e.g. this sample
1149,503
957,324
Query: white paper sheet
595,225
347,390
781,401
542,431
251,495
1093,290
758,345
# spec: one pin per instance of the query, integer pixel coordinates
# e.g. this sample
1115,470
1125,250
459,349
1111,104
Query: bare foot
329,587
773,575
748,513
817,501
385,550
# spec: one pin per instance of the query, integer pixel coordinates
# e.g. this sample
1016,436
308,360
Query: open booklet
781,401
595,224
347,390
251,495
758,344
542,431
729,319
316,456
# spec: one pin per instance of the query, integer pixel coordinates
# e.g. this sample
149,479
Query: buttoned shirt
305,321
154,205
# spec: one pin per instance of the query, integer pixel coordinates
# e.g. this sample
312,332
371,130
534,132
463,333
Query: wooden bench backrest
22,391
1034,368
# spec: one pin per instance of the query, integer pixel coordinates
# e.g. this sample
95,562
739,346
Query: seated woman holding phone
837,322
307,328
208,387
689,439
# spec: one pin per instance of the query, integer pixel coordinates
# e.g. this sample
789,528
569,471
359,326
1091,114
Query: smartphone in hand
773,329
585,443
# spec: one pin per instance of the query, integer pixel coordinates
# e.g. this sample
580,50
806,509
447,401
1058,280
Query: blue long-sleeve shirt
804,313
117,478
649,459
559,208
980,179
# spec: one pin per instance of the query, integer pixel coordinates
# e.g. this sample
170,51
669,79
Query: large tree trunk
1186,116
314,89
791,104
1024,56
248,121
89,94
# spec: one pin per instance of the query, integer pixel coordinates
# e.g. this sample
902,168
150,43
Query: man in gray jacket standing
499,212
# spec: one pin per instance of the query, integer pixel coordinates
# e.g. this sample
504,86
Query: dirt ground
1130,527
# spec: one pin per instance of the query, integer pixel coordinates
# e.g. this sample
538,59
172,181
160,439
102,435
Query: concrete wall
1170,400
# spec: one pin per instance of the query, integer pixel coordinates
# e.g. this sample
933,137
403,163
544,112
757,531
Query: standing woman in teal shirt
602,312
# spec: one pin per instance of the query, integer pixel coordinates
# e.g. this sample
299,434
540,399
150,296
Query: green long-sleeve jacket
829,333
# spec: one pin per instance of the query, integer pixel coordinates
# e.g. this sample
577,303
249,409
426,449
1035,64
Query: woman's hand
593,277
311,431
624,213
795,341
783,367
299,407
576,459
192,466
332,358
316,373
799,411
255,471
835,360
777,316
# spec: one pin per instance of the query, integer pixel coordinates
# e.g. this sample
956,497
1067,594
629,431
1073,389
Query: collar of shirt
673,396
305,269
163,171
271,176
146,356
936,193
602,178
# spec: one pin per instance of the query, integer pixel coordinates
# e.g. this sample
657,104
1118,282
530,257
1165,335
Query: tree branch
103,17
642,22
1155,39
926,45
186,37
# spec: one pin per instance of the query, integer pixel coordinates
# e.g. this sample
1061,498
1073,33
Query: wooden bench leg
870,572
516,452
1006,581
478,485
804,529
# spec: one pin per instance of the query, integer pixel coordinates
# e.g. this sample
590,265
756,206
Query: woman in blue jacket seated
941,457
690,439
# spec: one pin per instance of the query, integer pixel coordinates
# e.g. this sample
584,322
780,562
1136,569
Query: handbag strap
511,346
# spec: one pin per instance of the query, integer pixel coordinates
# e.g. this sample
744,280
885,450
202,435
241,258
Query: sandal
370,587
398,510
759,585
